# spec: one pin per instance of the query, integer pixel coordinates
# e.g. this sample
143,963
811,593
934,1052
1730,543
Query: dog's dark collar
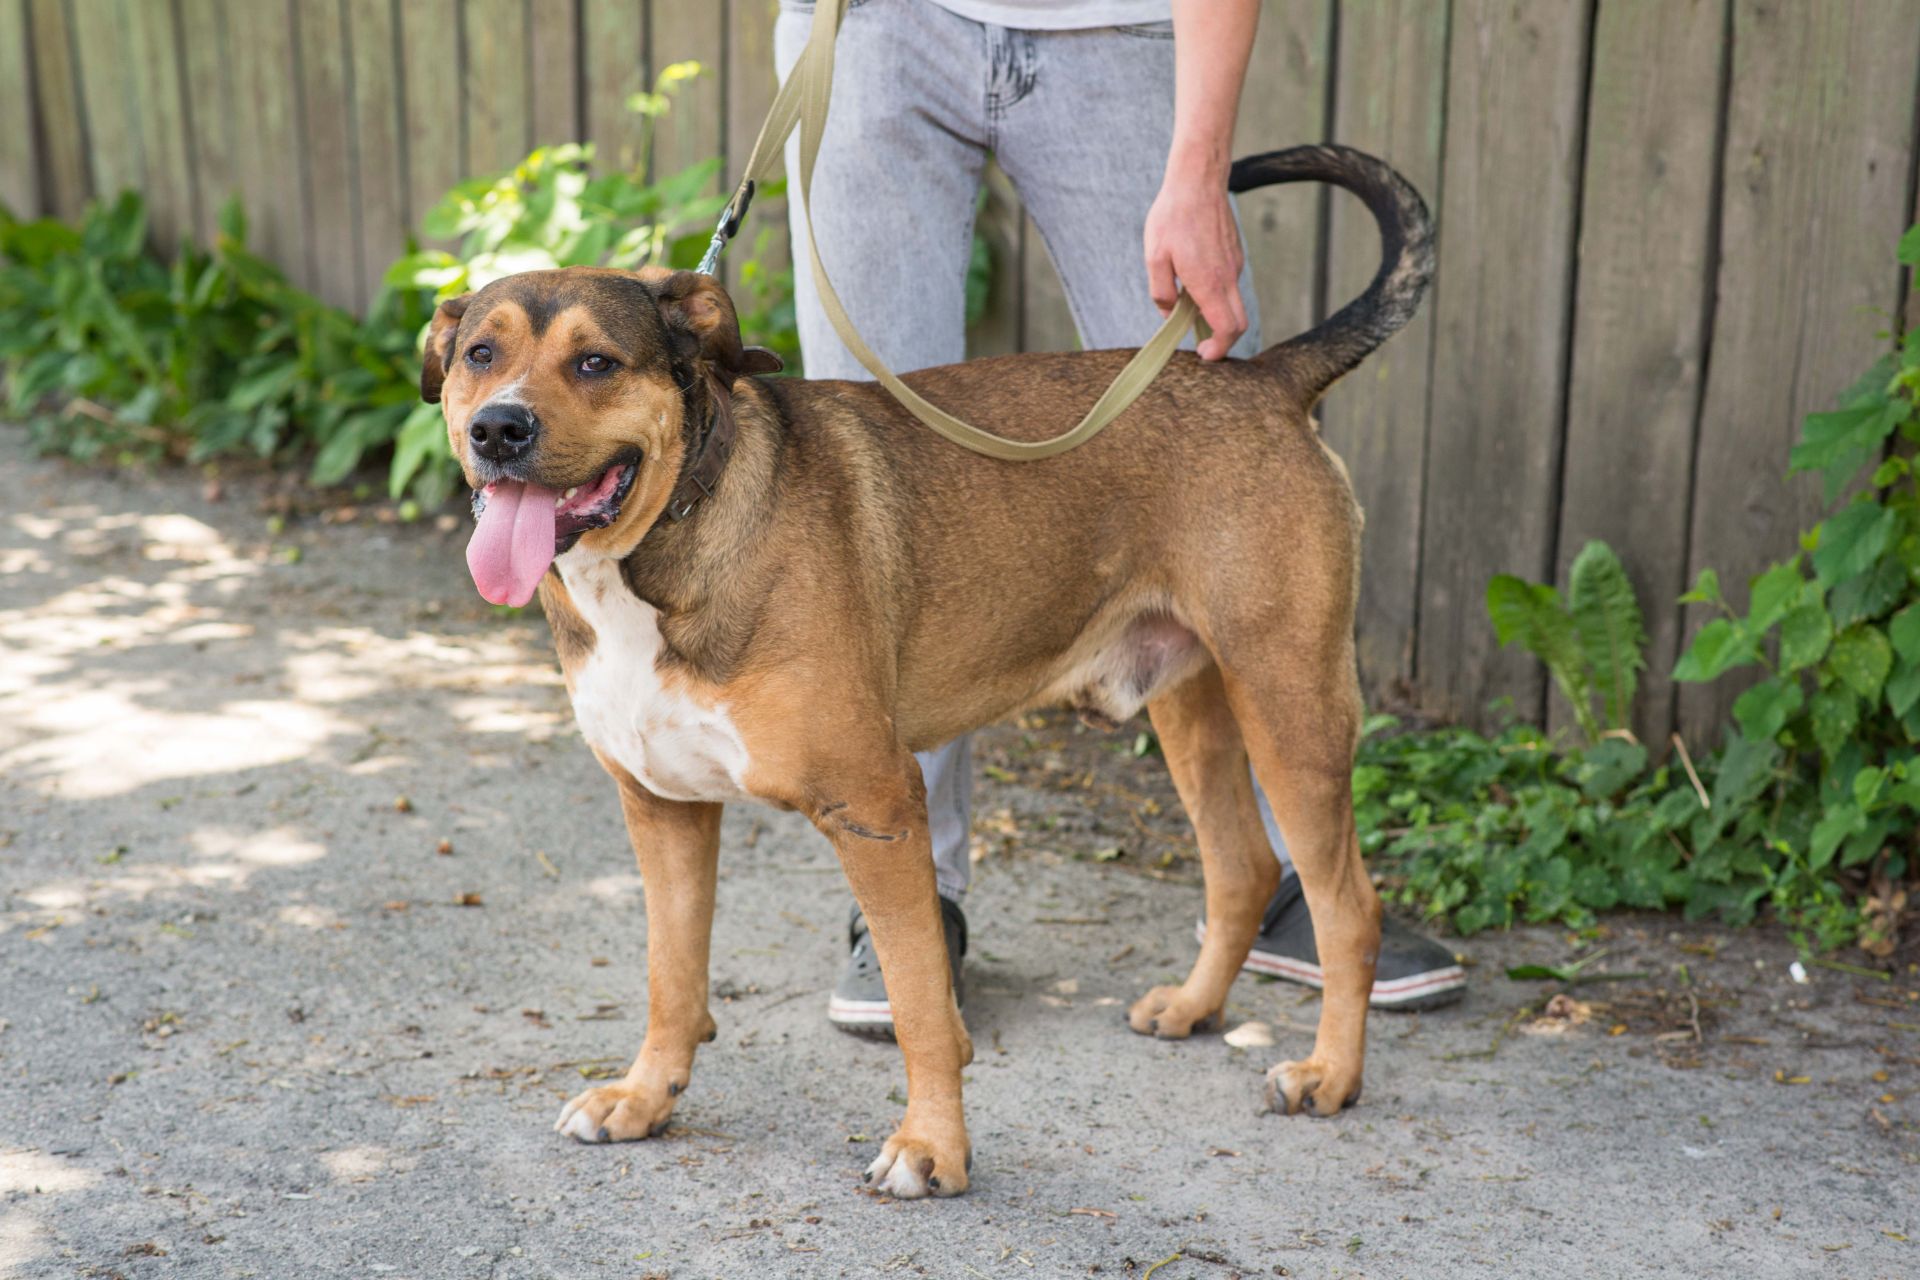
708,455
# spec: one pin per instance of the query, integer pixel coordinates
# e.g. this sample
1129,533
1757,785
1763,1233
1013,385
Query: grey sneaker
859,1004
1414,972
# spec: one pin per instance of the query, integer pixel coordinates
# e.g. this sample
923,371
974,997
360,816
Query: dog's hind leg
1300,720
678,847
1204,753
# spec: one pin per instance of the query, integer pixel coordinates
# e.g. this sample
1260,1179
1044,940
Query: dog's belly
673,744
1113,680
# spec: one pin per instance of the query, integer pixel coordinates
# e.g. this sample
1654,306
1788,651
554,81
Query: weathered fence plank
266,117
1516,74
433,124
615,62
208,93
1640,325
19,162
106,92
696,128
494,85
553,68
1285,102
378,115
326,149
1817,164
62,141
751,83
153,49
1391,101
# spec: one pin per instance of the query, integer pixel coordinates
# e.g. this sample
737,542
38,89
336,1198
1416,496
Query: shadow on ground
248,1029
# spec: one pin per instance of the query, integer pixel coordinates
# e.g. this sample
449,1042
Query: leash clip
727,228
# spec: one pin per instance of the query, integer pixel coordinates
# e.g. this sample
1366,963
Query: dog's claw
615,1113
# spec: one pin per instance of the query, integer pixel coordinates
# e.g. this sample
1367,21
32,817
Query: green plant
1593,643
1812,803
1833,723
110,351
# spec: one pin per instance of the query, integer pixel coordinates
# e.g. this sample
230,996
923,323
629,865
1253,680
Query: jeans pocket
1143,30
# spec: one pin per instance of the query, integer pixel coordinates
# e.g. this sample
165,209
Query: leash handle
802,101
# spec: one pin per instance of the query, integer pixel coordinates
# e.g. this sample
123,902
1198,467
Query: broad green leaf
1841,442
1719,648
1852,539
1773,593
1833,714
1706,589
1805,633
1764,710
1909,249
1609,766
233,220
1533,615
1839,822
1870,594
1861,659
1606,616
1903,690
1863,845
1904,631
1867,784
421,438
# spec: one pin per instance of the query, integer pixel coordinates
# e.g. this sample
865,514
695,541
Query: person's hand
1193,241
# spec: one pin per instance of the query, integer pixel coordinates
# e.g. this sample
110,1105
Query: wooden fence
1667,234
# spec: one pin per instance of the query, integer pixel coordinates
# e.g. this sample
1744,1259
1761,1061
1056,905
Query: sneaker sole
869,1019
1410,994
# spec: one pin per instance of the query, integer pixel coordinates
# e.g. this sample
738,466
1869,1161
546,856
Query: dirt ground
314,908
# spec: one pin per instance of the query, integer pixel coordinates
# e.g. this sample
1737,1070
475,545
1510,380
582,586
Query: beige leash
802,101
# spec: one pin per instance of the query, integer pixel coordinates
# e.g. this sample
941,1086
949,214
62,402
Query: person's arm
1192,239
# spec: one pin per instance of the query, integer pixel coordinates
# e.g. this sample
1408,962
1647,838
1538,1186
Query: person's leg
894,193
894,190
1082,127
1083,132
893,186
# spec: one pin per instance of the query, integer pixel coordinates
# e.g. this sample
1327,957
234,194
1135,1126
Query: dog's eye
480,353
595,364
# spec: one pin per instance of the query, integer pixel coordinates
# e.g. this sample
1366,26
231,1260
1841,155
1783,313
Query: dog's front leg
678,846
880,833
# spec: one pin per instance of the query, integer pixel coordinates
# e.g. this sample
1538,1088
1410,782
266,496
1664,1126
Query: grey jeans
1080,121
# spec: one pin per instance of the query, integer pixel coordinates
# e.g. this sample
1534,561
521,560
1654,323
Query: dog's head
571,397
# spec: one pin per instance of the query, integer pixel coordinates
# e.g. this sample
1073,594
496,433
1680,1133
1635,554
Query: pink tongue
514,544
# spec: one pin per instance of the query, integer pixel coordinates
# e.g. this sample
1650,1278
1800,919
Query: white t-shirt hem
1061,15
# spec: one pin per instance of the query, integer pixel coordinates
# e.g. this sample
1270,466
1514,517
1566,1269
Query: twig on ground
1692,776
1172,1257
1840,966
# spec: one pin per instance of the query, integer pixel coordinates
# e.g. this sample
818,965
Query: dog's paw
910,1167
1314,1086
616,1113
1166,1012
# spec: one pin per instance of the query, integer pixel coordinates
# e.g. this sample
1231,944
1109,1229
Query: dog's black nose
501,432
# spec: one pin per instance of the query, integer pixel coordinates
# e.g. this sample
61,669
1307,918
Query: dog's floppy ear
439,349
699,307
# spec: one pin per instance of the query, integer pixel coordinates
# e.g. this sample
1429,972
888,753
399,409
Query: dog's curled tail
1316,359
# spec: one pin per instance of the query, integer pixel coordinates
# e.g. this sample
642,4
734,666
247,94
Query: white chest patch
672,744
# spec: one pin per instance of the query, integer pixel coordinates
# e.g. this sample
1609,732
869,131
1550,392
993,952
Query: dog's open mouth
521,526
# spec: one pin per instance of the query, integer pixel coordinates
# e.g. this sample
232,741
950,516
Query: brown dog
782,589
